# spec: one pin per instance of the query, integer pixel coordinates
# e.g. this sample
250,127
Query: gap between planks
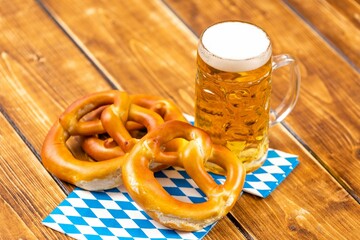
332,173
31,147
322,36
83,49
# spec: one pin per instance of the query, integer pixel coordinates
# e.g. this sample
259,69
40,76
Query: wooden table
53,52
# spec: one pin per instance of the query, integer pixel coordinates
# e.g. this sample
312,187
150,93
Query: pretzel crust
147,192
59,160
113,113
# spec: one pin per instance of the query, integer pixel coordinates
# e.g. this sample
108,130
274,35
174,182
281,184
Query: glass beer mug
233,88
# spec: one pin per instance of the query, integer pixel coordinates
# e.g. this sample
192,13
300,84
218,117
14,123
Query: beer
233,86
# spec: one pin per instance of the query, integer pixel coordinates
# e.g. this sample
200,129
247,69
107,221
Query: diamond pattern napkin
112,214
275,169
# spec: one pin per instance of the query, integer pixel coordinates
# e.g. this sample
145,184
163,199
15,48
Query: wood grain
224,227
337,21
39,78
304,206
133,45
27,192
330,130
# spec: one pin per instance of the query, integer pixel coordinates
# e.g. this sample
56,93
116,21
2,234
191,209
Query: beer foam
234,46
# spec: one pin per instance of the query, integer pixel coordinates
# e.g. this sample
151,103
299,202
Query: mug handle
287,104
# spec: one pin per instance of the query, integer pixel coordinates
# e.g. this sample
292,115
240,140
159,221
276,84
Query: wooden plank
41,71
139,43
338,21
27,192
224,227
328,128
307,205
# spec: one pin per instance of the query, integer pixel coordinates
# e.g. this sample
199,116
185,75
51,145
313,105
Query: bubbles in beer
235,47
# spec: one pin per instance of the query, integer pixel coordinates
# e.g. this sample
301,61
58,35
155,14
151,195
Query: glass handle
288,102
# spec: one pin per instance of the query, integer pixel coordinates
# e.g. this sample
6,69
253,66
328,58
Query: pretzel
143,188
100,150
91,175
164,107
110,113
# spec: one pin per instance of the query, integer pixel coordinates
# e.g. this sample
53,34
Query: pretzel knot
147,192
89,143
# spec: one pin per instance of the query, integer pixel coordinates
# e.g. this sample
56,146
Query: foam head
235,46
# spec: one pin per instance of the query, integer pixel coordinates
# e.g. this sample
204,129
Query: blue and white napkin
112,214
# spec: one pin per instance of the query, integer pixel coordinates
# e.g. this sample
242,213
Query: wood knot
357,153
36,57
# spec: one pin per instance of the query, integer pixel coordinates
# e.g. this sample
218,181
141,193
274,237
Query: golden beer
233,90
234,109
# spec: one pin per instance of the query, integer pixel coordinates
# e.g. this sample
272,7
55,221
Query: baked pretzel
91,175
141,110
146,191
112,114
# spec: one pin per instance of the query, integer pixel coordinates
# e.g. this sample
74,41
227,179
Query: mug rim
229,64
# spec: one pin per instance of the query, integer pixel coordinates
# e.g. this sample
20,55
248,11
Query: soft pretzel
113,114
165,107
90,175
142,109
142,186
